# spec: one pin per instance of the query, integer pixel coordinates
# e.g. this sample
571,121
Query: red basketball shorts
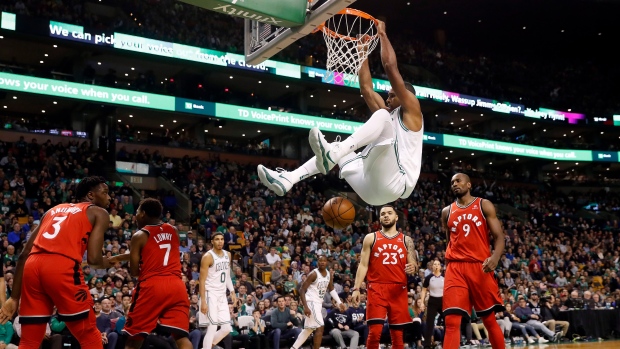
53,280
387,300
159,301
466,286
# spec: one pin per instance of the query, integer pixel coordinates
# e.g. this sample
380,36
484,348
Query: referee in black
433,283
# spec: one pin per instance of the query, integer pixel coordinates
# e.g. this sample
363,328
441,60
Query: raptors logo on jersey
388,259
469,233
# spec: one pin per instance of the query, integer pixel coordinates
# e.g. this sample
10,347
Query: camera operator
544,308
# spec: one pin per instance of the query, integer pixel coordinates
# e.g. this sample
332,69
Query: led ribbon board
114,96
143,45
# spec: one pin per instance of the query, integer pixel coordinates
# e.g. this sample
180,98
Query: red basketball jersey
64,230
160,256
469,233
388,257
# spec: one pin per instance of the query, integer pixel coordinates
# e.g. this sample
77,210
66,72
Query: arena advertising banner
132,167
476,144
100,94
143,45
270,117
93,93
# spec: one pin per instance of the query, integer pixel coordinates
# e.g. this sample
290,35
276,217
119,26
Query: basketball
338,213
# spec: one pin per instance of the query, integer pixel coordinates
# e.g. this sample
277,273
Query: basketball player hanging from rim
389,167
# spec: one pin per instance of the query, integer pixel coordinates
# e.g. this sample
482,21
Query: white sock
370,131
304,171
207,343
301,339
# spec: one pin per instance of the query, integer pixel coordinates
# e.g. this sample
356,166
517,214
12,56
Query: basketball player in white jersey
311,294
389,167
214,281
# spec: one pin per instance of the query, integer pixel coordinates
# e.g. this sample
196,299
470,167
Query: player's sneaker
327,154
277,181
542,340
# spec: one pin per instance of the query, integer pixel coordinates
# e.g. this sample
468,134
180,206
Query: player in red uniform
387,257
49,269
160,298
470,281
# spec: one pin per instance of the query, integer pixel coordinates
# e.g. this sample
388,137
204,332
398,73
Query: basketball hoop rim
347,11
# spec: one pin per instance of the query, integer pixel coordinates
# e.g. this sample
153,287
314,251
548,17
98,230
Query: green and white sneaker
327,154
277,181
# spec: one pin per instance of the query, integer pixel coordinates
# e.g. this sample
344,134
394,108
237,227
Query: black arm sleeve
427,281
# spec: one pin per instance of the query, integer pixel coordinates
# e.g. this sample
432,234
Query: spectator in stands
236,330
588,302
106,322
560,280
546,313
339,325
246,254
284,323
574,302
230,237
115,219
273,257
553,311
257,331
526,330
15,236
526,315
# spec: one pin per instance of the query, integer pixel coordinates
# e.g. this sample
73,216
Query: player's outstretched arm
362,269
205,263
100,220
412,114
138,240
495,226
373,99
412,258
302,292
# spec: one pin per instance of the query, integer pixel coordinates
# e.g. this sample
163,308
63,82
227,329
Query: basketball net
350,36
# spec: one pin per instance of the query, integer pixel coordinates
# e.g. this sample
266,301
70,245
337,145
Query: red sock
496,337
374,336
397,338
452,338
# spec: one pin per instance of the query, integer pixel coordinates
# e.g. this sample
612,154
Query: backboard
264,39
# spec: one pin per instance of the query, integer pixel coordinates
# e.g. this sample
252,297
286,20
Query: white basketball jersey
409,147
218,273
316,290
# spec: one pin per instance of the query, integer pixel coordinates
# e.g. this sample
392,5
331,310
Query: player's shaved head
464,178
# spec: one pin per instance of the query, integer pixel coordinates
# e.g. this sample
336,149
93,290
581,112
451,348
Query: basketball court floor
610,344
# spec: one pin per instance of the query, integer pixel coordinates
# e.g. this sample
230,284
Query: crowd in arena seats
569,85
553,252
